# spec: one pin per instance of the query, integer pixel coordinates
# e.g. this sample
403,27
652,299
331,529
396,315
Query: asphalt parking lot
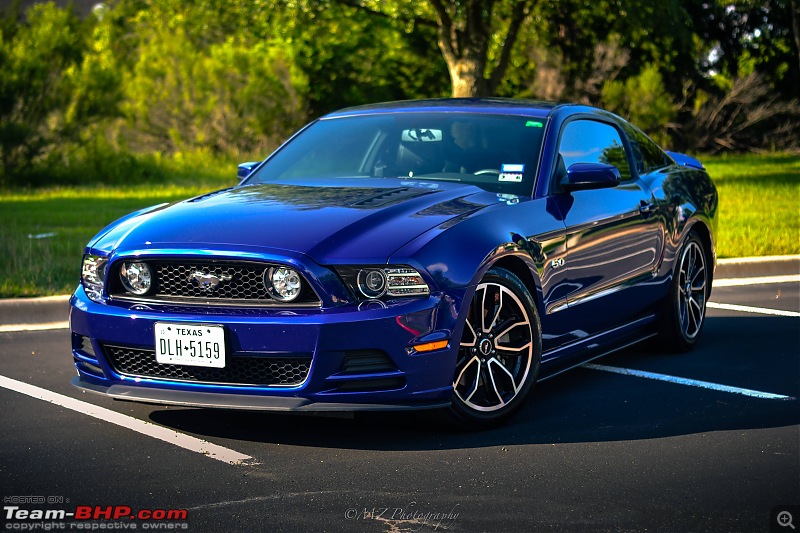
592,450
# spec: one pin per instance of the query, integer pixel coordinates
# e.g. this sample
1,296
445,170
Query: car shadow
583,405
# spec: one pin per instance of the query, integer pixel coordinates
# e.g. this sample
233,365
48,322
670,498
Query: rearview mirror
421,135
584,176
246,168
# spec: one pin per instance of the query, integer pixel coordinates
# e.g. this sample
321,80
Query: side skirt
579,353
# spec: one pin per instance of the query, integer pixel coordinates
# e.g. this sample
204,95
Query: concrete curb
55,308
751,267
34,310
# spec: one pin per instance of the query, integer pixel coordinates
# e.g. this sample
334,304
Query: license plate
191,345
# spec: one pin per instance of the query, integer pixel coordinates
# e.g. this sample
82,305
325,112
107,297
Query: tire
685,308
499,355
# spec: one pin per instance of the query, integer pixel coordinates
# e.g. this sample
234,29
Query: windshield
498,153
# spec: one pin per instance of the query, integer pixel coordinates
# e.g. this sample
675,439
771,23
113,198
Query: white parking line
45,326
690,382
171,436
749,309
763,280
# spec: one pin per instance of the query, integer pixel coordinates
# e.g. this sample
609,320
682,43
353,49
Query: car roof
497,106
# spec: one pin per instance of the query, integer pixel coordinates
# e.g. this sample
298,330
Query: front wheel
685,311
499,354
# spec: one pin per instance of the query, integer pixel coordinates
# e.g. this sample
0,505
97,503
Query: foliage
748,36
233,98
112,96
643,100
37,61
749,116
475,38
355,54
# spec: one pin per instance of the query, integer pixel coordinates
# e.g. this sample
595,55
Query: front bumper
331,339
238,401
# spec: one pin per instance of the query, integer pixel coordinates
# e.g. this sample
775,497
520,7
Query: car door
613,242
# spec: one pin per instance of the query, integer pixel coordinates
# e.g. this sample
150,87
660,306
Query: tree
36,58
233,95
643,100
352,55
745,97
475,37
465,34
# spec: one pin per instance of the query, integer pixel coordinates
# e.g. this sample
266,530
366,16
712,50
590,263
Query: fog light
283,283
137,277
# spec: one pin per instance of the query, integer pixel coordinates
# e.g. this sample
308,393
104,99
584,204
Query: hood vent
208,195
390,196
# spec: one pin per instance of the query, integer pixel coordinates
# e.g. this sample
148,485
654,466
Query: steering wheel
486,171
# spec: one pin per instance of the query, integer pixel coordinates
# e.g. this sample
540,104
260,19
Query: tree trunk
465,31
466,76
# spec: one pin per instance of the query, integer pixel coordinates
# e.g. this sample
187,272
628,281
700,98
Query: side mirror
584,176
246,168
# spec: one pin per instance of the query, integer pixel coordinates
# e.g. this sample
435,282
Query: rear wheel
499,354
685,311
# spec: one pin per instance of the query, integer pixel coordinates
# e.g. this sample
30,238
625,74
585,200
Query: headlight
405,281
379,282
372,283
283,283
93,275
137,277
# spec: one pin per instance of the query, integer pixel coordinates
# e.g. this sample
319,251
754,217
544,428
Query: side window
589,141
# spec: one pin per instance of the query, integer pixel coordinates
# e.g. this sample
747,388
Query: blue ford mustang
430,254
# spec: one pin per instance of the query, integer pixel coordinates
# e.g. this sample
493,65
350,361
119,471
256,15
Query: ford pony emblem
208,282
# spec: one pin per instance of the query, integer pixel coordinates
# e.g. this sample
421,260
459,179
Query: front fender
523,236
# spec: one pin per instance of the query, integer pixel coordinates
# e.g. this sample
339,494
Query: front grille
243,281
239,283
261,370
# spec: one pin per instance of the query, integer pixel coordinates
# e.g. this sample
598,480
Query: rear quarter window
650,156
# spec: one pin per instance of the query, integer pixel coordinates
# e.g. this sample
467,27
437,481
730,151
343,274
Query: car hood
354,220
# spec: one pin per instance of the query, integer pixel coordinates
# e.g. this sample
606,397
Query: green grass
32,266
759,206
759,215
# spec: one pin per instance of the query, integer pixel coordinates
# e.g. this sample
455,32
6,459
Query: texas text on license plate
190,344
